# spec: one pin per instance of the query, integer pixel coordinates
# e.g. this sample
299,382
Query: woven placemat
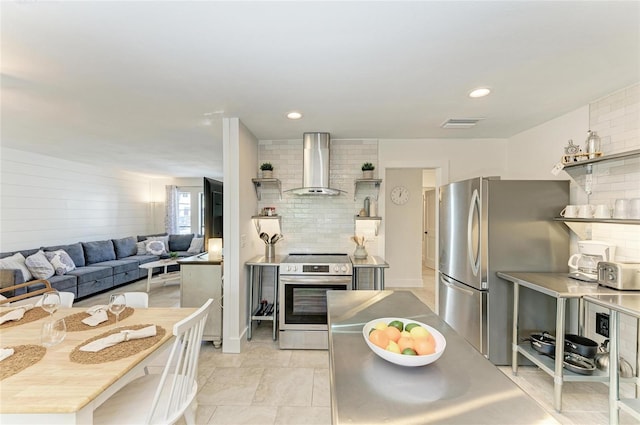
74,321
36,313
118,351
23,357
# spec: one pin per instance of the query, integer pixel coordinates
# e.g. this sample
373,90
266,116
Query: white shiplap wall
317,223
50,201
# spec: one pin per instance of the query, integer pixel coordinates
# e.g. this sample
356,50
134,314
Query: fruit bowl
404,359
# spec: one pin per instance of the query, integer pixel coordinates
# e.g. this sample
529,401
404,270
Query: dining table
65,385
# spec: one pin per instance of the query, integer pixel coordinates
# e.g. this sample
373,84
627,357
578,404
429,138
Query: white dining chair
163,398
66,300
137,299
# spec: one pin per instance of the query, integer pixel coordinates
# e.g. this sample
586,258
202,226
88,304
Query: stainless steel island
462,387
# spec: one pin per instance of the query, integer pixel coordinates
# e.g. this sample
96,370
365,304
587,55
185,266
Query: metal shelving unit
260,183
366,182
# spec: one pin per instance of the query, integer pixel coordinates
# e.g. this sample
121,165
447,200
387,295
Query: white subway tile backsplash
311,223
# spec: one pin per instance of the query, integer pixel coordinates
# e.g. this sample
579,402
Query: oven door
303,300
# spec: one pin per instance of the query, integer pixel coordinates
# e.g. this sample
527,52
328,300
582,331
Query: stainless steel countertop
625,302
370,262
261,260
198,259
461,387
558,285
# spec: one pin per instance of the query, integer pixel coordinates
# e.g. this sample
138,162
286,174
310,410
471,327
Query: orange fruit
405,342
393,333
379,338
424,346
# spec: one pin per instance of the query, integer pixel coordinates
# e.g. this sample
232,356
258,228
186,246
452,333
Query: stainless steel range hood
315,166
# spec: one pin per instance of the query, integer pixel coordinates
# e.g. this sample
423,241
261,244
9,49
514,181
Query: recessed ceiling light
294,115
480,92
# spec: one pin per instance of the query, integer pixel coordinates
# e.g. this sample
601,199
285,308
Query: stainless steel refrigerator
489,225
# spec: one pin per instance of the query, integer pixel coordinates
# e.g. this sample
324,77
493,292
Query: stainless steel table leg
614,389
558,377
275,303
250,309
514,330
354,279
380,270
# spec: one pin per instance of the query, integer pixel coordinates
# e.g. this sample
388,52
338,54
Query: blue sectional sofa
99,265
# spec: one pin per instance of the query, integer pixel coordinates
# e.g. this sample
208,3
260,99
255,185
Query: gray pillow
125,247
61,261
156,248
179,242
39,266
75,251
98,251
141,248
197,246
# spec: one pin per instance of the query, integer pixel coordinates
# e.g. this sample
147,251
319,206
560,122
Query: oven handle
314,280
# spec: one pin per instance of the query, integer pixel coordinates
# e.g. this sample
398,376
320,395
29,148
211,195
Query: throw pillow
124,247
179,242
196,247
39,266
163,239
16,261
141,248
156,248
61,261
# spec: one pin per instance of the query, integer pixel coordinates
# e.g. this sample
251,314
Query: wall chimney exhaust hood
315,166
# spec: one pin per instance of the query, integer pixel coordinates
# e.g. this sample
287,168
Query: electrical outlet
602,324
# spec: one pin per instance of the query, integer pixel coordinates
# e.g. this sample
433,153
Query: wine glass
53,332
51,302
117,304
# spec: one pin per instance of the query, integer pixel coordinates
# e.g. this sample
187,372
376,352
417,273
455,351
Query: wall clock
399,195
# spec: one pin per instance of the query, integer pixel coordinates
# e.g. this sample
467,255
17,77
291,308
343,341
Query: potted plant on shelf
367,170
267,170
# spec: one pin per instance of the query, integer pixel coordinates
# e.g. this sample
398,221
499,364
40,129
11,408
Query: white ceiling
127,84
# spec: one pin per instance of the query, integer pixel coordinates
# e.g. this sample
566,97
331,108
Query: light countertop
461,387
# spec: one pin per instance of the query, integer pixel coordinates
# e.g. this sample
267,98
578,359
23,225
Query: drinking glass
51,302
53,332
117,304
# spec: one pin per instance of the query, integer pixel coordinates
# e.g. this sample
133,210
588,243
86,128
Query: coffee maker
584,266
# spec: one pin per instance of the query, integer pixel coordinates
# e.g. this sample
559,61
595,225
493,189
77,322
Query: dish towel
5,352
98,314
124,335
16,314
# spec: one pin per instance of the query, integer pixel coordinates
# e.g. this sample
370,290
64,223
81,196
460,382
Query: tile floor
265,385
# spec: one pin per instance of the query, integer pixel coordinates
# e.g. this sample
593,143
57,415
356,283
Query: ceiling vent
460,123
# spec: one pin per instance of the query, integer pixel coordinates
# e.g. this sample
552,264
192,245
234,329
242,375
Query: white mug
585,211
602,211
621,208
570,211
634,208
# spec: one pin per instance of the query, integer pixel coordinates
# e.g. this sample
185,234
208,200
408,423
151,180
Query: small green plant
173,255
367,166
266,167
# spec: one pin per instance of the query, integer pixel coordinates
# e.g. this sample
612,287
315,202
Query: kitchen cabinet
201,279
260,184
562,288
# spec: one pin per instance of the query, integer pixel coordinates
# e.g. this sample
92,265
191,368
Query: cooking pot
578,364
602,361
580,345
543,343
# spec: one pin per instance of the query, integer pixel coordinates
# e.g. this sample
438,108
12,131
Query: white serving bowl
403,359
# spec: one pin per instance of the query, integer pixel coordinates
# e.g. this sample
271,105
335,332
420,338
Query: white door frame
441,168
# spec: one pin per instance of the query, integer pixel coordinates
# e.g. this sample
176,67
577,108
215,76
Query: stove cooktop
305,258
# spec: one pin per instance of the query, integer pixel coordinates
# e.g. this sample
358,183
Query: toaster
624,276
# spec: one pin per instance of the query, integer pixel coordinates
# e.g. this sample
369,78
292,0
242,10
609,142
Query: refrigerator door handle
456,287
474,257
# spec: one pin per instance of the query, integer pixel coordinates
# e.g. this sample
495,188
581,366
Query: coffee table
163,277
